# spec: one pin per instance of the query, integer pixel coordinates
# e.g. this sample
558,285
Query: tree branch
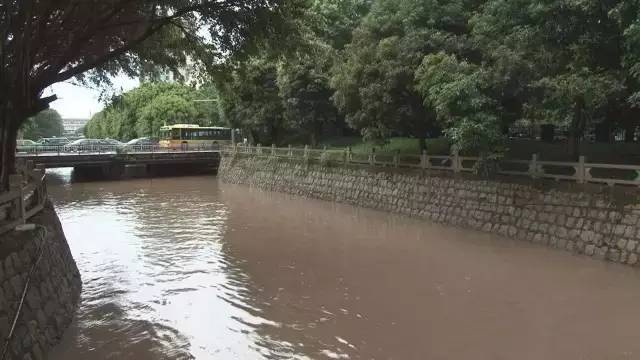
67,74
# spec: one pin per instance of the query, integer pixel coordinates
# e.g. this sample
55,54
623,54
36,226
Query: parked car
143,143
26,145
54,141
91,145
111,142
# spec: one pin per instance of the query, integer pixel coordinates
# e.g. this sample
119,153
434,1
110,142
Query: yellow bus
188,135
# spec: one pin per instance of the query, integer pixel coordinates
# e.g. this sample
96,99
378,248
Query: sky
75,101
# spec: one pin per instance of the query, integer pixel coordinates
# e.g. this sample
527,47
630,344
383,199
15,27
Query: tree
283,92
250,101
142,111
457,92
45,42
375,84
46,123
565,62
306,93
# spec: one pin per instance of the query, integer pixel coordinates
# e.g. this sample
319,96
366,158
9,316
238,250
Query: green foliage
391,68
288,96
306,95
46,123
592,92
375,84
142,111
456,90
250,101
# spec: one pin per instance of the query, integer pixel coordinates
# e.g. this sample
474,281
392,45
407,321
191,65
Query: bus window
175,134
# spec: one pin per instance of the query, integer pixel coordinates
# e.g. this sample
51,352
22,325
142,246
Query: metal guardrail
109,149
580,172
26,197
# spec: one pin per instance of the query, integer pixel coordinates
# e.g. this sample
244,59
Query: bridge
111,160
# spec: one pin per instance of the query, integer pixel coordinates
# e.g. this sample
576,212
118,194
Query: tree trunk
629,133
577,129
316,133
314,139
8,135
422,142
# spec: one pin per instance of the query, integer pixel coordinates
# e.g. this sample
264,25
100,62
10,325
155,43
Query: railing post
456,160
533,166
15,184
372,156
396,158
580,171
273,150
423,159
259,149
323,157
290,152
349,155
306,152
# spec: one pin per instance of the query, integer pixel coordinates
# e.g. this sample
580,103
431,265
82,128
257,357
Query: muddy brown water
187,268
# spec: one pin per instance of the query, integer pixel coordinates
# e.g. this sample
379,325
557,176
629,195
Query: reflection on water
186,268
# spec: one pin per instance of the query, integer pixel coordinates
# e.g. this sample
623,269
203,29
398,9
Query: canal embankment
596,223
40,287
39,281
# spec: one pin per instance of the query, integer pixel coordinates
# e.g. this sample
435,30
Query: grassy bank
398,144
522,149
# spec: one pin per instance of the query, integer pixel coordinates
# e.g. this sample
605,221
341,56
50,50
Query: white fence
580,172
26,197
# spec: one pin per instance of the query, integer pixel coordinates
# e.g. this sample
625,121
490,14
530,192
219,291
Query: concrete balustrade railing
580,171
26,197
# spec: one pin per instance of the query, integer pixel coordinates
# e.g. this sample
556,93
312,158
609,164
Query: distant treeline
142,111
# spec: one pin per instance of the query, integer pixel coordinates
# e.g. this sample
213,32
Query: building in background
73,126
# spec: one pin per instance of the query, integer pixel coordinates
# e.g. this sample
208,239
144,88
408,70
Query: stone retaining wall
585,222
53,292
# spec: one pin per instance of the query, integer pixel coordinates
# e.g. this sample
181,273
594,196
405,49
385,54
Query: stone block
631,245
37,352
587,236
601,252
18,285
561,231
621,244
613,255
619,229
630,232
632,259
623,257
8,267
561,243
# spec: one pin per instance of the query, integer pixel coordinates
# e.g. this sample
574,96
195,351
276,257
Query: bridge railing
580,171
26,197
110,149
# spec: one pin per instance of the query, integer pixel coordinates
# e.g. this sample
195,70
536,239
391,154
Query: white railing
580,171
26,197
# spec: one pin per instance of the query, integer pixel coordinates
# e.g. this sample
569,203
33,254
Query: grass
616,153
401,145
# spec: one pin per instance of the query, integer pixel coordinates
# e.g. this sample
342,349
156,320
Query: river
188,268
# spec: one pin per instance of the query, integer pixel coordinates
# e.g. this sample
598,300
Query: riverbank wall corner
593,223
53,287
